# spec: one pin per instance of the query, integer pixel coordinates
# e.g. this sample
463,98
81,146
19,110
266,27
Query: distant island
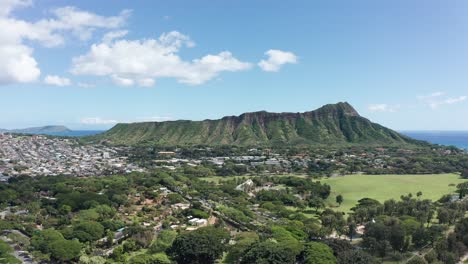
52,131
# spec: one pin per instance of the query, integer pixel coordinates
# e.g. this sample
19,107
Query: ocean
449,138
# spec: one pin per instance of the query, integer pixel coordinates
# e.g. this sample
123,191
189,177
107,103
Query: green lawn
384,187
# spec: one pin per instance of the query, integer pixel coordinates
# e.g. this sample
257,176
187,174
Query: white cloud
454,100
383,108
6,6
130,62
153,119
86,85
97,121
18,64
57,80
277,58
147,82
431,96
101,121
448,101
437,99
122,81
108,37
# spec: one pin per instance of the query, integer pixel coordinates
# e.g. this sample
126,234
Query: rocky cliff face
331,124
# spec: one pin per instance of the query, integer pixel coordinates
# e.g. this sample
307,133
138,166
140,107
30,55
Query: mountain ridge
333,124
38,130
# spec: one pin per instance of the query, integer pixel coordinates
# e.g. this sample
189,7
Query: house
198,222
181,206
166,153
247,186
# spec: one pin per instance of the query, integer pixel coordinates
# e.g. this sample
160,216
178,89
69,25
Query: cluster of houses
40,155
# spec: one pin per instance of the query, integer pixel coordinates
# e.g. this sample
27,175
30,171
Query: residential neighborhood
41,155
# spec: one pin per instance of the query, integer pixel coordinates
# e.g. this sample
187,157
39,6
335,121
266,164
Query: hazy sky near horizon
89,64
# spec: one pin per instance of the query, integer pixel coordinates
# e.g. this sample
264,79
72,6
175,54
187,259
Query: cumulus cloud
148,82
122,81
57,80
108,37
276,59
86,85
102,121
97,121
383,108
6,6
437,99
153,119
18,64
141,62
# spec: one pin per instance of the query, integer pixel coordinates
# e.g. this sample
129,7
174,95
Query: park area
384,187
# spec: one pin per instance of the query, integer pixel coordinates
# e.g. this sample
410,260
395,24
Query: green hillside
331,124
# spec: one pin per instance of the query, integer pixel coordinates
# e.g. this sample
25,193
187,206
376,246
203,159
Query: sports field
384,187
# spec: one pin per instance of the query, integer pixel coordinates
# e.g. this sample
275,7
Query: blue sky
403,64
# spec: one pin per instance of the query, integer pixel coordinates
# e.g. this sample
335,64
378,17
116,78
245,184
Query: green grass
384,187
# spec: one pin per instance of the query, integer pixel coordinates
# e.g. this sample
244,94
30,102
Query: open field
384,187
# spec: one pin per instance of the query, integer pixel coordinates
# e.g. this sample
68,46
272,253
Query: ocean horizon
74,133
448,138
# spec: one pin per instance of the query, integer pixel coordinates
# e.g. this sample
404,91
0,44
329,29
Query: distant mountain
332,124
42,130
52,131
38,130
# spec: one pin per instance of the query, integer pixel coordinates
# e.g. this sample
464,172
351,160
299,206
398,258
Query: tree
118,254
163,241
201,246
464,174
355,257
65,250
397,237
339,199
462,189
159,258
84,259
5,254
443,215
110,238
430,256
287,239
351,230
318,253
317,203
332,220
268,252
416,260
88,231
42,240
243,241
461,229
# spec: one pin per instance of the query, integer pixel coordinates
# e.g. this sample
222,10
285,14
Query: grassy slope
384,187
332,124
